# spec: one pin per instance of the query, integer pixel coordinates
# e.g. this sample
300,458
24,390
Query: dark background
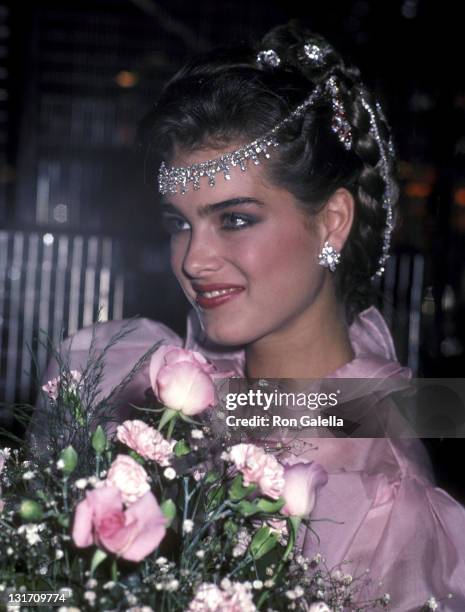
79,232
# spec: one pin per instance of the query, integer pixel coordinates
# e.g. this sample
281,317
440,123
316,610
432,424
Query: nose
202,256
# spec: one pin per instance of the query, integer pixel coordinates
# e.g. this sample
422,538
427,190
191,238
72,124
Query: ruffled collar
372,343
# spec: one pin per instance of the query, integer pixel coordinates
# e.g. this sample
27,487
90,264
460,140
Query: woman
277,184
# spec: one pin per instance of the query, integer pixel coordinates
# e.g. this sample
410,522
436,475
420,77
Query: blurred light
405,169
448,298
48,239
409,9
451,347
60,213
428,306
459,196
417,189
421,101
126,79
14,273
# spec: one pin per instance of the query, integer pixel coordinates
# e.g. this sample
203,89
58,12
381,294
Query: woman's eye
173,225
232,221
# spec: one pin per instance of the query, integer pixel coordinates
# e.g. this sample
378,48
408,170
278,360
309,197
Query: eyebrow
209,209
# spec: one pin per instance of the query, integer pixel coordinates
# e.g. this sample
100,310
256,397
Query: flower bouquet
158,514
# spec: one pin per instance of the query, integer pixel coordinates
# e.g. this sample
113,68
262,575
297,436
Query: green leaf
31,511
99,440
231,528
63,520
187,419
99,556
270,507
168,508
295,524
263,541
69,458
212,476
215,497
181,448
167,416
238,491
247,508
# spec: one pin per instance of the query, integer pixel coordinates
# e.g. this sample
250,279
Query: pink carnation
52,387
146,441
132,534
129,477
259,467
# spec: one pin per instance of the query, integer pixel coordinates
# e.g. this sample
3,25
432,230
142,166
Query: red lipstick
215,294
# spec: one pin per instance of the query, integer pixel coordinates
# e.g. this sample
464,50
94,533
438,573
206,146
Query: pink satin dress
385,513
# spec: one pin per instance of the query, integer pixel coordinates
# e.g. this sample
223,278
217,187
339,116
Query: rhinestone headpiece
169,177
387,155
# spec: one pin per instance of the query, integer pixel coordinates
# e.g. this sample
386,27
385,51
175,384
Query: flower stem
65,494
170,429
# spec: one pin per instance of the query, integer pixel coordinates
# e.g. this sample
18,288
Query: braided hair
226,96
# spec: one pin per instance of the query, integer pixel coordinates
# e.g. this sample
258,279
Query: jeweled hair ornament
170,177
386,161
268,58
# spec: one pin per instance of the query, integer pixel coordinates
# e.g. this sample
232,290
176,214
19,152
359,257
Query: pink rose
259,467
301,483
146,441
182,380
132,534
129,477
52,388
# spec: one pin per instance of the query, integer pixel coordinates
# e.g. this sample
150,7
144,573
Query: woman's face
248,240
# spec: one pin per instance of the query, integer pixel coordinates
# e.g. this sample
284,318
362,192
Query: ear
336,218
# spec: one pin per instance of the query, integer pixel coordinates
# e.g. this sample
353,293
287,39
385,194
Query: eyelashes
174,225
228,222
234,221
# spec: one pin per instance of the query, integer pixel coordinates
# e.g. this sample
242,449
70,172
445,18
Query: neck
312,346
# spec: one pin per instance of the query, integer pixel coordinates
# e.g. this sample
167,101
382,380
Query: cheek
177,252
286,261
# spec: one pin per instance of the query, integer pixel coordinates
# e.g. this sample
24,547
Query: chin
227,335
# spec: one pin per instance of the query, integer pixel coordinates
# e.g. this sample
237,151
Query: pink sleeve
395,523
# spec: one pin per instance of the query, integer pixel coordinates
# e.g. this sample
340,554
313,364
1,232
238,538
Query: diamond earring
329,257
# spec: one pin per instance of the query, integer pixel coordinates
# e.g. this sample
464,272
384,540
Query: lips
216,294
